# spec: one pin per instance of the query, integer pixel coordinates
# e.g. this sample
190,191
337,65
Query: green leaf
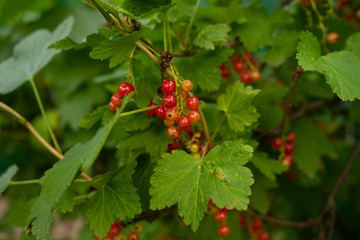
203,68
57,179
66,202
30,56
353,44
25,236
88,120
5,179
269,167
308,50
146,88
19,213
145,7
116,50
117,198
221,176
236,103
211,35
284,46
259,199
138,121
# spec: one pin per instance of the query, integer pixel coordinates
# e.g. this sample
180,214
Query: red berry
263,235
220,216
97,238
108,238
256,224
161,111
151,112
289,148
277,143
291,137
168,86
194,116
115,229
116,99
125,88
287,160
255,75
222,65
248,55
183,95
172,114
133,236
173,146
236,59
183,122
192,103
187,85
242,220
332,37
112,107
238,67
189,131
245,77
225,72
305,3
168,123
169,101
223,230
173,132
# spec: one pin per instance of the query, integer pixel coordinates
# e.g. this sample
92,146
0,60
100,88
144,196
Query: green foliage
30,56
236,103
6,177
212,34
221,176
268,167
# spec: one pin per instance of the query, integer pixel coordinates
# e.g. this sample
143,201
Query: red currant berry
287,160
169,101
173,132
108,238
255,75
183,122
182,95
291,137
223,230
242,220
161,111
245,77
138,227
248,55
168,86
112,107
332,37
277,143
172,114
305,3
192,103
116,99
115,229
97,238
263,235
125,88
173,146
236,59
151,112
187,85
133,236
225,72
289,148
168,123
238,67
256,224
222,65
220,216
194,116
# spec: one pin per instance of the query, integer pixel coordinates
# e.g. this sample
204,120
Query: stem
38,99
164,31
135,111
321,25
218,127
34,181
169,34
192,18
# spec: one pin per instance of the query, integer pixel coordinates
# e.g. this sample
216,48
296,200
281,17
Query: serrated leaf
308,50
139,121
203,68
236,103
353,44
268,167
211,35
146,88
88,120
30,56
117,198
19,213
116,50
58,178
5,178
145,7
284,46
66,202
143,172
221,176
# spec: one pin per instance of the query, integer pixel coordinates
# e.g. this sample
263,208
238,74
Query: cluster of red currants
254,228
116,99
220,216
244,66
115,230
171,110
286,148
